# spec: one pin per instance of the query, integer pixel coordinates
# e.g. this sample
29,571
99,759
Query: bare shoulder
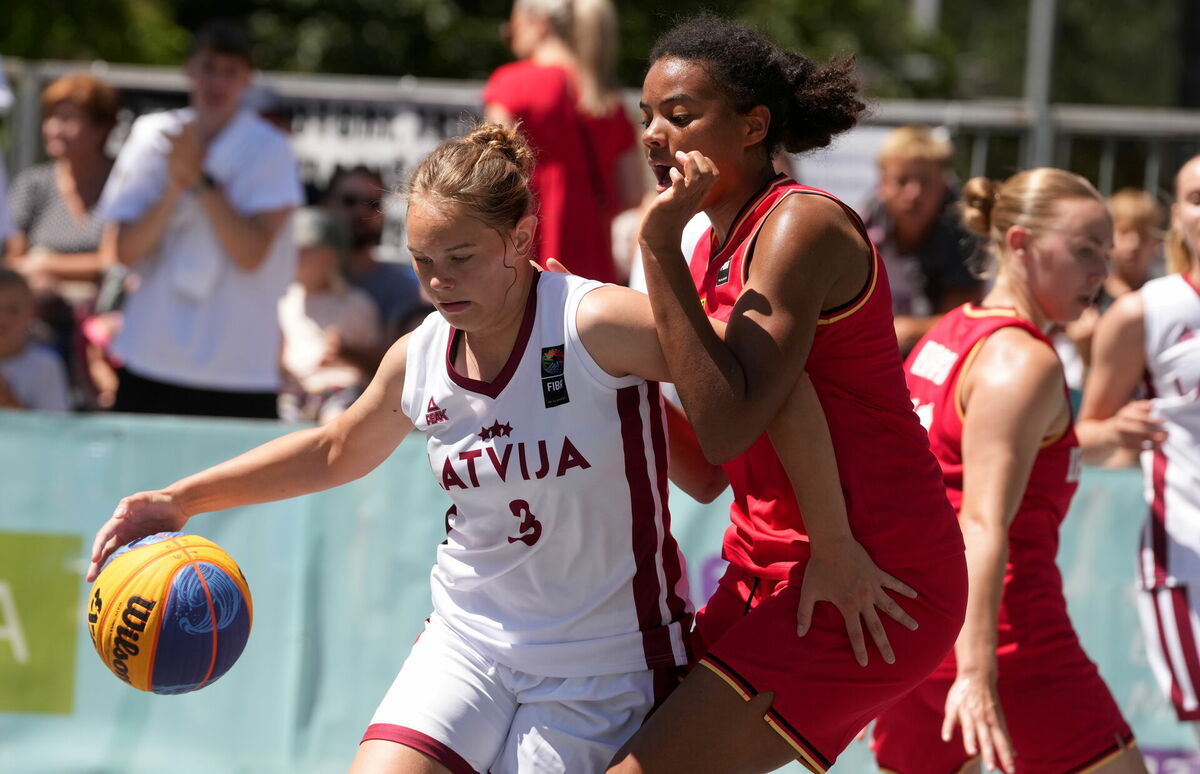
1013,361
811,249
610,302
813,225
1129,310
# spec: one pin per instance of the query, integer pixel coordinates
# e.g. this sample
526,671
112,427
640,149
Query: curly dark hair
809,103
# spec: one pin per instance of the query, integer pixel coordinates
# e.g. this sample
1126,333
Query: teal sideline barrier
340,587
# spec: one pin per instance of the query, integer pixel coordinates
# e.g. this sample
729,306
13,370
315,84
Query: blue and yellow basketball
170,613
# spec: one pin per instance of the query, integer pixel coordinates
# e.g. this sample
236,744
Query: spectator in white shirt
200,199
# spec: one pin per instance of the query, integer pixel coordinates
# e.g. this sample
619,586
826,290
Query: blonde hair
487,171
1026,199
1179,254
1136,205
915,143
558,12
595,45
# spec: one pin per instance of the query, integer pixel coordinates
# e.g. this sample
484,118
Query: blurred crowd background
126,236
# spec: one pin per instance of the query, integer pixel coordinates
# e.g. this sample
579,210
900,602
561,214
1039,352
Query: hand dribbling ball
170,613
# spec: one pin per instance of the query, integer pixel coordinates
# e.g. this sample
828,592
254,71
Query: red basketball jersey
933,370
895,499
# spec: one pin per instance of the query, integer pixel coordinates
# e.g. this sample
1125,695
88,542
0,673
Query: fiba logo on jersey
554,381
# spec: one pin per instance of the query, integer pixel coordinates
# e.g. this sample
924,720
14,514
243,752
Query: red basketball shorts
1060,716
823,698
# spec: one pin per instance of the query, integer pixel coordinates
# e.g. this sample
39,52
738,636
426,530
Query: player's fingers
1004,751
967,724
556,266
857,643
893,609
949,719
110,545
986,750
879,635
895,584
101,536
676,180
804,613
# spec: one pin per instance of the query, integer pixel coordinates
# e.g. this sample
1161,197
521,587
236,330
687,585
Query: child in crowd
324,321
31,376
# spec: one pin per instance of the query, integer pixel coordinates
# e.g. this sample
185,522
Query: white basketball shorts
474,715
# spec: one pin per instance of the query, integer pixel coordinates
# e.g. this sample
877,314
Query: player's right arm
295,464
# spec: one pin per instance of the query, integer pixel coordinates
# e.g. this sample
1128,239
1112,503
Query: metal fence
392,122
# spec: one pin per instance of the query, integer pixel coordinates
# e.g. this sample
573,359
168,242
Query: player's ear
756,123
523,234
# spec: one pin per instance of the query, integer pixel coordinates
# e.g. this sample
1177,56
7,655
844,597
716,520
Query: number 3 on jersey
531,528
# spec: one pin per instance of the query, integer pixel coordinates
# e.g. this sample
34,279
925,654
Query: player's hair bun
505,141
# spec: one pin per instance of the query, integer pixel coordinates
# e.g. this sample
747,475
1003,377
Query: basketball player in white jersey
1152,336
559,595
560,605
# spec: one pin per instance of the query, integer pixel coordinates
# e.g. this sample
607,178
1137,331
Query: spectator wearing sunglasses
355,194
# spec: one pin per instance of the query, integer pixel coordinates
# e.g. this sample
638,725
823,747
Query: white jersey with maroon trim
558,558
1170,554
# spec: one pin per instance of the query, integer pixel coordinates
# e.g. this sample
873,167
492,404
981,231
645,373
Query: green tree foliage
138,31
1112,52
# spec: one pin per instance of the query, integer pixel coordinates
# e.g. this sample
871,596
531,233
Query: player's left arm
300,462
806,250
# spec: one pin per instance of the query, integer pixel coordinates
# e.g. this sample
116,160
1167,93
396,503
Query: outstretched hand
843,574
136,516
669,211
972,703
1136,427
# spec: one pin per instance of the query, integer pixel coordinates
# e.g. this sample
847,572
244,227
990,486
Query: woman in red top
564,96
790,274
987,383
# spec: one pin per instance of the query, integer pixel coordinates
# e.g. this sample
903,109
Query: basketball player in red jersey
807,306
986,381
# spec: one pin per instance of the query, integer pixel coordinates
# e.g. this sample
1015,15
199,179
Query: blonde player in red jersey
1018,690
1152,336
862,520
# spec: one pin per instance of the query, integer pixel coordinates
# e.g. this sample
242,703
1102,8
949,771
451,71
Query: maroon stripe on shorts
1176,692
422,743
1158,518
646,588
1187,643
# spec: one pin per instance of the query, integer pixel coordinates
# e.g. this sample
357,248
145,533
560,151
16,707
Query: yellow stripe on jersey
866,296
970,310
804,757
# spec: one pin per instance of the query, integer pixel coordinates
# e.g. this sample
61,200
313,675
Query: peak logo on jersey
554,382
433,414
497,430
